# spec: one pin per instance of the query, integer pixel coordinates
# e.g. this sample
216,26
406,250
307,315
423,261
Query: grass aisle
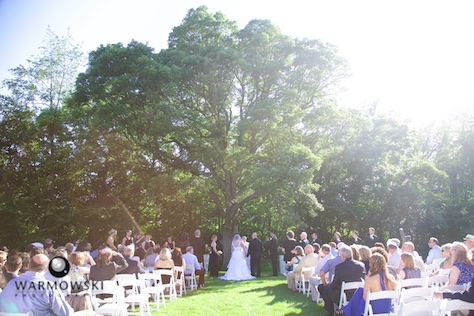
263,296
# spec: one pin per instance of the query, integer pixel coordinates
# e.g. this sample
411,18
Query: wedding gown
237,269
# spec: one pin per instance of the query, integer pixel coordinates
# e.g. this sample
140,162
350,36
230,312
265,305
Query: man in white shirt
394,255
435,251
324,256
29,292
191,259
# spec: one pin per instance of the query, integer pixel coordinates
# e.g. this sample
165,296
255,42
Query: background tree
228,105
34,113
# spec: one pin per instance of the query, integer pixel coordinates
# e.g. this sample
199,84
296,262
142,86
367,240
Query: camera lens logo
59,267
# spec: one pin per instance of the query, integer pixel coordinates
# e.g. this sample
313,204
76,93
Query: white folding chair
454,288
190,278
416,294
348,286
118,277
438,281
154,287
444,271
179,280
373,296
413,282
301,284
439,260
432,267
171,287
449,306
136,295
16,314
108,297
420,308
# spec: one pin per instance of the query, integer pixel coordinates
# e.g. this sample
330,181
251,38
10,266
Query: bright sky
416,58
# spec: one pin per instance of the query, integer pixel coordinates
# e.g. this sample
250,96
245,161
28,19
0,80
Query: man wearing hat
469,242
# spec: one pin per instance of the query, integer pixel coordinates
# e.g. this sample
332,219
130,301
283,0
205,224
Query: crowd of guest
381,265
134,255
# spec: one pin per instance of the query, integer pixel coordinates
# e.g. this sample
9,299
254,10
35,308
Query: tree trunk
230,228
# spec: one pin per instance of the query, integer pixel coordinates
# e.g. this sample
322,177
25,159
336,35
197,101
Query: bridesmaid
214,257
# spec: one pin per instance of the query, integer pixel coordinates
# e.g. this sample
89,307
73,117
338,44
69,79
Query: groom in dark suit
273,252
255,252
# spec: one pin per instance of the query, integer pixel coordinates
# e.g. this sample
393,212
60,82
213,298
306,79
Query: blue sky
414,57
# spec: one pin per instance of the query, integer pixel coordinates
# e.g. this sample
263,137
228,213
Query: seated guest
410,247
151,257
394,256
435,251
177,257
462,270
108,264
324,256
3,258
309,260
133,265
355,252
326,274
296,259
25,262
447,263
165,262
191,259
78,267
333,246
178,260
12,267
347,271
409,270
391,270
33,298
365,254
466,296
379,280
60,252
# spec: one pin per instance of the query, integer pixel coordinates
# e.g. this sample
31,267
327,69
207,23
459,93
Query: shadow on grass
274,289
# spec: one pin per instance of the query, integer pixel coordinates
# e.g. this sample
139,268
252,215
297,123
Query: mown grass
263,296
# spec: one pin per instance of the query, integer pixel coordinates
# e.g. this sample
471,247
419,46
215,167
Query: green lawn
263,296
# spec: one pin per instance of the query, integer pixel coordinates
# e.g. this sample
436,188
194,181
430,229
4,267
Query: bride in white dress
237,269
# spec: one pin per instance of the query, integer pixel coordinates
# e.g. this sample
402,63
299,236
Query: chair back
448,306
348,286
432,267
416,294
373,296
438,280
125,276
413,282
454,288
444,271
420,308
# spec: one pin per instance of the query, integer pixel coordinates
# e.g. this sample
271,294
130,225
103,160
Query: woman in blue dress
379,280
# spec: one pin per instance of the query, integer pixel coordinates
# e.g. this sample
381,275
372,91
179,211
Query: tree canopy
228,130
